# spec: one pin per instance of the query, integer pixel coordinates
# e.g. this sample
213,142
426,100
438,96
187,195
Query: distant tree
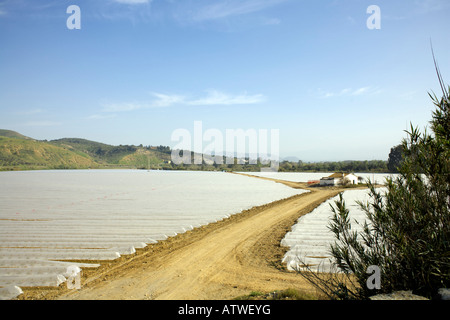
286,166
164,149
395,158
363,167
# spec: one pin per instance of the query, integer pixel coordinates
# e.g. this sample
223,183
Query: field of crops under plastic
310,239
49,217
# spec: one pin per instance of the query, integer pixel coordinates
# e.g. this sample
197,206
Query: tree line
379,166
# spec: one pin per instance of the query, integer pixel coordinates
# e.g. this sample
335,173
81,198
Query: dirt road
220,261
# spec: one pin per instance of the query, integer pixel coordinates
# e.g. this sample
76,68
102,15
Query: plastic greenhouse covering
310,239
48,218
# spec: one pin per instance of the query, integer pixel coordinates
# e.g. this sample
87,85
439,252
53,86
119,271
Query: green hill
20,153
123,155
12,134
101,152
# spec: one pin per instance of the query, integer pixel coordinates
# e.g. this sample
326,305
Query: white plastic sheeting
9,292
29,272
45,280
90,215
378,178
309,239
291,176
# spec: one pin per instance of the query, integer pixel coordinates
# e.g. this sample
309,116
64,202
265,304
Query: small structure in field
339,178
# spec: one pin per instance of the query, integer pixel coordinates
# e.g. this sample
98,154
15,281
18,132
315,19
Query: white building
337,178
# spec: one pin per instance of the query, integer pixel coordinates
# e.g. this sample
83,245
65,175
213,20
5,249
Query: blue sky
137,70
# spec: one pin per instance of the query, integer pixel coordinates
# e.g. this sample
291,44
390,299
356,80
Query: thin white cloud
360,91
224,9
345,91
123,106
165,100
161,101
101,116
132,1
430,6
186,11
29,7
350,92
213,98
418,8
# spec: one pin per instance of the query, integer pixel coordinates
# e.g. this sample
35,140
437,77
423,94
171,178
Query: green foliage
120,156
395,158
287,294
341,166
99,151
164,149
20,153
12,134
142,161
292,294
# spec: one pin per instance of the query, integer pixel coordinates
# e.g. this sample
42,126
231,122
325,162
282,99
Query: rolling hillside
123,155
18,152
12,134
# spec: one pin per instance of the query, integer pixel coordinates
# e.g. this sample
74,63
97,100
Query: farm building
337,178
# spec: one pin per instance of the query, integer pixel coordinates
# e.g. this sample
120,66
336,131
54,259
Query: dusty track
220,261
